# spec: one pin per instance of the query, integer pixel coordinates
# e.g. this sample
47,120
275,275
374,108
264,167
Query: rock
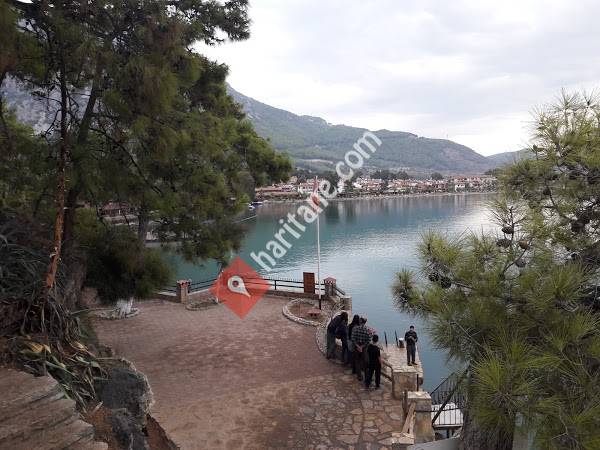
128,431
127,388
347,438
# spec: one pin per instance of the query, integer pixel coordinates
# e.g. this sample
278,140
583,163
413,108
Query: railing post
275,280
330,284
423,431
182,290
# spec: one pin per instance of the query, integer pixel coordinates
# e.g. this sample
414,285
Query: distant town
366,186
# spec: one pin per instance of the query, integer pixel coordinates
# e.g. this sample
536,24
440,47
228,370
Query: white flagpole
318,244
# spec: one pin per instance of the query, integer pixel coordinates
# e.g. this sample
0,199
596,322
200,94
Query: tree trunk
84,128
60,191
473,438
124,308
69,224
143,223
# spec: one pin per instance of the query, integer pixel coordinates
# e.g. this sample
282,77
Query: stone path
34,414
259,383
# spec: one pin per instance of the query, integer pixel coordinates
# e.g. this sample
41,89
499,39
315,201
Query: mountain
315,143
502,159
32,112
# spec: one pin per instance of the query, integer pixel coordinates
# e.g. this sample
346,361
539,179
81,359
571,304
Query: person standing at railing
411,339
342,334
332,330
374,367
353,324
361,336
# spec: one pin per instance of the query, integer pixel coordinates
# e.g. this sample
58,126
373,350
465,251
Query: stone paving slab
259,383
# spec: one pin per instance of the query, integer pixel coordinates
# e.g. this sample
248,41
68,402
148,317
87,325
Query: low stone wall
287,313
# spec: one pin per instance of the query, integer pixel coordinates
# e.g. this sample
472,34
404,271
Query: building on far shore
362,186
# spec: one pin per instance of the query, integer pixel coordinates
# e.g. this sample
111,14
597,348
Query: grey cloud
472,61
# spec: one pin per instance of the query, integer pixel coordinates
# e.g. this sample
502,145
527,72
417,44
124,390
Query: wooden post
308,279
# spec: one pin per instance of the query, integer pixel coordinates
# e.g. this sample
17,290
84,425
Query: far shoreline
378,197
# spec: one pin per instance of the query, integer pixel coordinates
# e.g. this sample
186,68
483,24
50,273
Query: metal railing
276,284
339,291
200,285
448,403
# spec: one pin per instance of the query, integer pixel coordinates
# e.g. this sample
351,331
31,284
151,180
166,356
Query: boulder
127,431
129,389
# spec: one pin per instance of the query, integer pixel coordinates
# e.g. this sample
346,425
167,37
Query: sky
470,71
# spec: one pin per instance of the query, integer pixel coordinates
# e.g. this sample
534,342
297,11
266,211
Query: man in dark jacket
411,339
374,366
342,334
361,336
331,332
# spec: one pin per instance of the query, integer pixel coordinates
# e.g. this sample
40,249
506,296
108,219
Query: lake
364,242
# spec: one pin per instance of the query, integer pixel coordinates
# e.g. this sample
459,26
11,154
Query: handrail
339,291
274,282
408,421
447,390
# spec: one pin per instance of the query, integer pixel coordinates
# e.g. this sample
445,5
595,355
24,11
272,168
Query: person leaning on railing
332,329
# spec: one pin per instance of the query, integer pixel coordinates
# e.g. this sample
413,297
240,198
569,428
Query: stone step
60,436
26,422
22,392
94,445
35,414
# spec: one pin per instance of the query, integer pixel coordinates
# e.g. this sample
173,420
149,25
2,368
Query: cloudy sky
467,70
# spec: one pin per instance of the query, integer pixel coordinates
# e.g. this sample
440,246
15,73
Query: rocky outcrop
128,431
126,388
35,414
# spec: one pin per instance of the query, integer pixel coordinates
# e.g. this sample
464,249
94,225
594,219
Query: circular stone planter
113,315
296,301
201,305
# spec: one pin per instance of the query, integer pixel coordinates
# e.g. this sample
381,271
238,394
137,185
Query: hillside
315,143
502,159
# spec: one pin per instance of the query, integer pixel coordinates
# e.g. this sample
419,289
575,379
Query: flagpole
318,249
319,261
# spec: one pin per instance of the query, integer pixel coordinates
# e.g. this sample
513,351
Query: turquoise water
364,242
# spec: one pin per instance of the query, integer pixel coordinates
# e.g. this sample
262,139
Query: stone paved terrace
259,383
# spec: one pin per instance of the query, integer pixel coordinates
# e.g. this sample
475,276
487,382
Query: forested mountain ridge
313,142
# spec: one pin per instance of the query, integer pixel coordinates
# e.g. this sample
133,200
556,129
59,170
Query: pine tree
520,308
138,116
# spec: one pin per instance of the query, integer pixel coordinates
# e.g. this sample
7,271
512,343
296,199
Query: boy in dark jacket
374,363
